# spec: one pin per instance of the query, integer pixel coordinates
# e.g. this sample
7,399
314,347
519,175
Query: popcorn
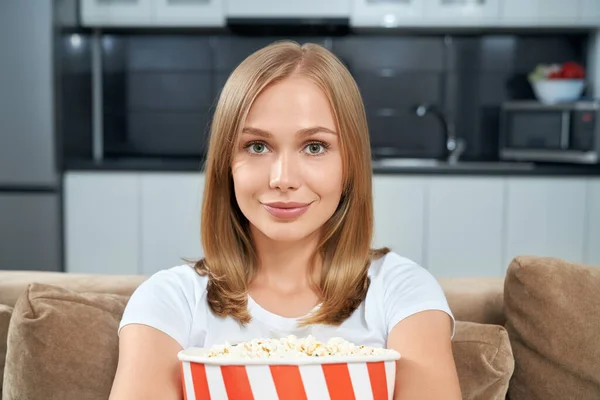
293,347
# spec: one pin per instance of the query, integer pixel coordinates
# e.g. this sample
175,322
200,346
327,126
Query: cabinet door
209,13
592,216
590,12
288,9
559,11
117,12
463,12
102,222
519,12
30,236
544,12
399,214
386,13
464,227
170,219
546,217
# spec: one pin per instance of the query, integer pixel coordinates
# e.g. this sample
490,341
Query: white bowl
312,378
553,91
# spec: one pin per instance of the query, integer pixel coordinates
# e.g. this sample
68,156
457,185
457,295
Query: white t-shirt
174,302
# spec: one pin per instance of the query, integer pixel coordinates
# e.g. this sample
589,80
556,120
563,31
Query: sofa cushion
5,313
553,314
62,344
484,360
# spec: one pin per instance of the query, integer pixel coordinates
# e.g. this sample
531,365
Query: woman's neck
285,265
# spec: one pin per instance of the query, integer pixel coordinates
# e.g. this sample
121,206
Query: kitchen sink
430,163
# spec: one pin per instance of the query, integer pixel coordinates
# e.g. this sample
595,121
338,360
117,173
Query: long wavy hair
344,248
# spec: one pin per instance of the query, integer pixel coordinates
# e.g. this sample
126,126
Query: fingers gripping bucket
331,378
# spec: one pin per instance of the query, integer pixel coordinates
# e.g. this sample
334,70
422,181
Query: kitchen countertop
398,167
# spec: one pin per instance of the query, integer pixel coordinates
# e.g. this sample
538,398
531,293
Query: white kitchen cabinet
464,226
101,212
117,12
519,12
455,226
208,13
541,12
387,13
545,217
590,12
399,214
592,223
287,9
558,11
170,219
462,12
179,13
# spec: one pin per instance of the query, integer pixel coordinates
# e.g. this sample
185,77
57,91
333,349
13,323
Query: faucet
455,147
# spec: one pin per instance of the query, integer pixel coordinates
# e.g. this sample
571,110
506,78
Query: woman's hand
426,370
148,367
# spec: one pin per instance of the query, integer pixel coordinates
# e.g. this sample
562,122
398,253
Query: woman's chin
278,236
291,232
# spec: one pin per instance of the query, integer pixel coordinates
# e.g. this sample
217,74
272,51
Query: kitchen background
105,107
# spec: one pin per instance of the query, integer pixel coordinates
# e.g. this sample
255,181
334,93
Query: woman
287,222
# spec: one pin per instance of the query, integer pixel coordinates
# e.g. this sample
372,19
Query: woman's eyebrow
314,130
302,132
257,132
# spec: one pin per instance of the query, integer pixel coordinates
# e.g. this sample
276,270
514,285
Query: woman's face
287,165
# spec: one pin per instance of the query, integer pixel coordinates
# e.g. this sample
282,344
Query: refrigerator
30,189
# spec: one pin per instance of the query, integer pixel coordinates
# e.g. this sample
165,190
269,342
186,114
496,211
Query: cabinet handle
390,1
183,2
385,112
463,2
117,1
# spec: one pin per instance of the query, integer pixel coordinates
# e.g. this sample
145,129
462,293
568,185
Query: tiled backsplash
159,89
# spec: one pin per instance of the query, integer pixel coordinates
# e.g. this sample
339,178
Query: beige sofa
533,335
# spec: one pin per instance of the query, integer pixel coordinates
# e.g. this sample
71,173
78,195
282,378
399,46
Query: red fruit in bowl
572,70
555,75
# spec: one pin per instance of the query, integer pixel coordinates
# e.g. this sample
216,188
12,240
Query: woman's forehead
293,103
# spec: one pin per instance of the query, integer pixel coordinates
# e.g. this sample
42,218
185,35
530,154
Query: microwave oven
533,131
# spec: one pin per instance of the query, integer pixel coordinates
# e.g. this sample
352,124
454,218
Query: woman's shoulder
393,265
401,280
404,288
182,280
168,301
181,273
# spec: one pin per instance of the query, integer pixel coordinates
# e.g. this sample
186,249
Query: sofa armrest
476,299
13,283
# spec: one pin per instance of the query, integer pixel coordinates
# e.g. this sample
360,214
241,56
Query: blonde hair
230,259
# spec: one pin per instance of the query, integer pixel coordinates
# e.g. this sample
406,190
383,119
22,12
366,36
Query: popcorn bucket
311,378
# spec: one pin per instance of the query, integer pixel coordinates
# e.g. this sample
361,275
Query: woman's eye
315,148
257,148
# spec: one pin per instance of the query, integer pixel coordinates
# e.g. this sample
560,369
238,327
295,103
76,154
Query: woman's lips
286,210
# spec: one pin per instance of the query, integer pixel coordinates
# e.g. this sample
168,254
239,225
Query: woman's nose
285,173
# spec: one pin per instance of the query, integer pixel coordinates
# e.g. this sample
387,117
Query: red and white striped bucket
327,378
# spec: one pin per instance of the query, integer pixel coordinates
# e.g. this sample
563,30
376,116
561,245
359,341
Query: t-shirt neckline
272,319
